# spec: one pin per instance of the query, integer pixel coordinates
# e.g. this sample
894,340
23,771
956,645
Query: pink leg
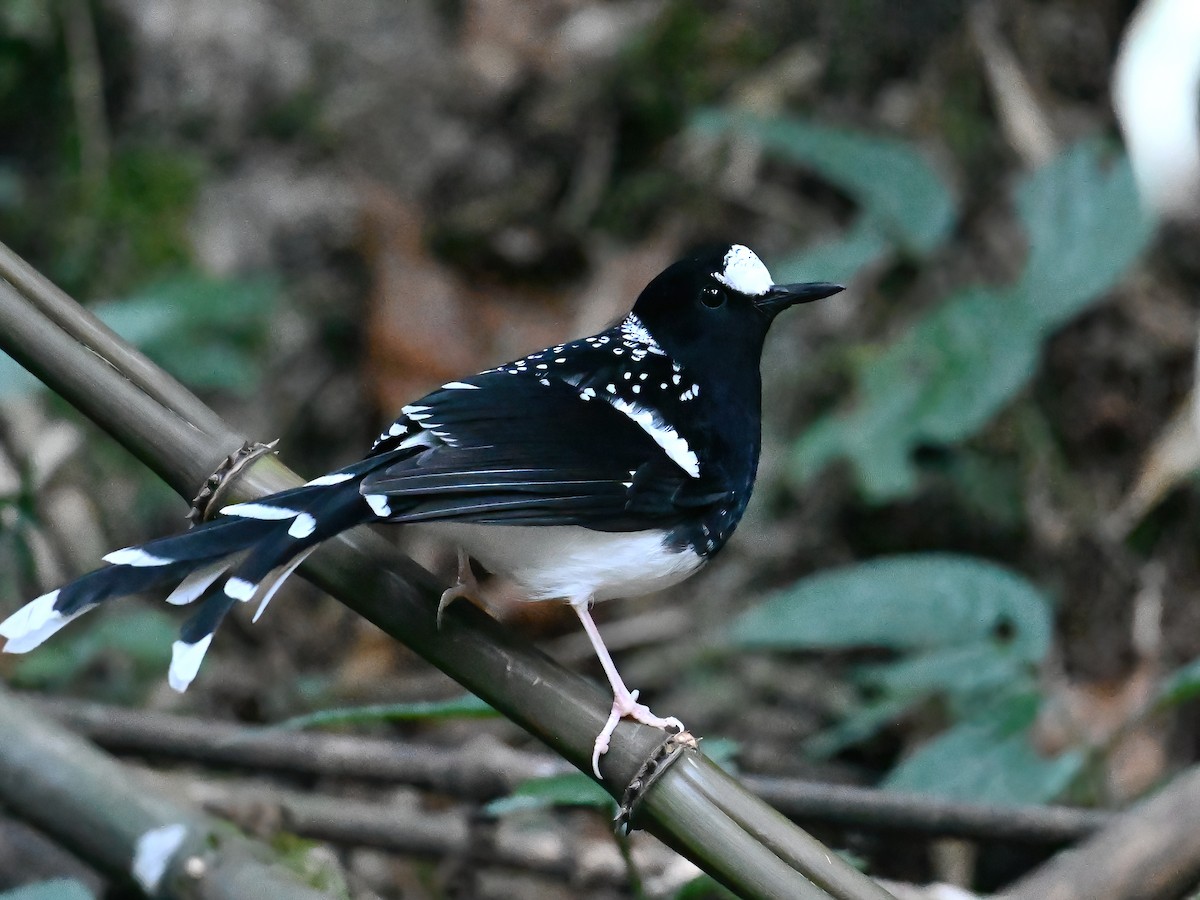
624,701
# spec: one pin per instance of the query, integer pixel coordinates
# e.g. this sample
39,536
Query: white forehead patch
744,272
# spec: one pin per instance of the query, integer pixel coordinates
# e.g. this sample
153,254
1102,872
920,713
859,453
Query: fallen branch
484,769
89,803
1151,852
454,833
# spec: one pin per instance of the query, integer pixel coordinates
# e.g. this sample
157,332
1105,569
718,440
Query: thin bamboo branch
89,803
688,807
480,770
84,327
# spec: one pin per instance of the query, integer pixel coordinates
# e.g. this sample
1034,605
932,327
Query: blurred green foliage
955,367
903,202
136,639
58,889
963,632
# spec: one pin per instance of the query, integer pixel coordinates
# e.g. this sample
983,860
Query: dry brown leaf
1173,457
1112,713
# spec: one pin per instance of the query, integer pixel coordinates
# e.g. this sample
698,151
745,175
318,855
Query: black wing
546,442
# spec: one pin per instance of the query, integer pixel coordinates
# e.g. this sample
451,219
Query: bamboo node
214,485
652,769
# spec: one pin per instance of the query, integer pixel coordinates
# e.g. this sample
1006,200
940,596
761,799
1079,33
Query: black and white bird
610,466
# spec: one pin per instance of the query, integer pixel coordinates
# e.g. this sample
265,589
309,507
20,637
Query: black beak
781,296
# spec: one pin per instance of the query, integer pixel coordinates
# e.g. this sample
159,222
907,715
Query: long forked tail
256,545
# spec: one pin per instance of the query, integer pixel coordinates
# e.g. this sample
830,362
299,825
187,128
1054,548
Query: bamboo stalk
82,325
91,804
691,806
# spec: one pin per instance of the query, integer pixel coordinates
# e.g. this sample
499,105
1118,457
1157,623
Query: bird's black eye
712,297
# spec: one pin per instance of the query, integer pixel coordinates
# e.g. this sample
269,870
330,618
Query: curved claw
627,706
467,586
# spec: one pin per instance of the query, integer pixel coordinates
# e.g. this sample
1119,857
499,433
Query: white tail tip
185,662
33,623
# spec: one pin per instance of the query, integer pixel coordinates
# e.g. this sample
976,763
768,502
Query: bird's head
717,305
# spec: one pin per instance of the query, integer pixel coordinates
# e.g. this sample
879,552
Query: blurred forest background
969,568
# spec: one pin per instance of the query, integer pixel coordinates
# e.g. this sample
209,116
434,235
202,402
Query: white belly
570,562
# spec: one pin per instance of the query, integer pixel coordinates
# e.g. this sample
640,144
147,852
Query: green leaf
856,726
958,365
912,602
1085,226
938,383
989,760
142,635
205,331
58,889
468,706
891,181
569,789
1181,685
969,669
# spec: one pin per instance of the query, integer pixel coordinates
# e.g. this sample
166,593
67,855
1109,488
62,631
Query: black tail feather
272,534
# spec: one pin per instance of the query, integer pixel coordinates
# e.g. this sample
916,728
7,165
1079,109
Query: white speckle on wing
744,272
662,434
34,622
136,557
379,504
152,855
338,477
185,662
262,511
459,386
304,525
397,429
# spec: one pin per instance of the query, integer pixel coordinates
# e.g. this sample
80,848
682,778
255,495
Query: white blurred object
1156,92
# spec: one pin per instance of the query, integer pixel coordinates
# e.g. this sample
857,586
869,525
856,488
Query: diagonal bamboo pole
694,806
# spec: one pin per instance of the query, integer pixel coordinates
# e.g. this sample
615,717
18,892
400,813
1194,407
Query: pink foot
467,586
626,705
